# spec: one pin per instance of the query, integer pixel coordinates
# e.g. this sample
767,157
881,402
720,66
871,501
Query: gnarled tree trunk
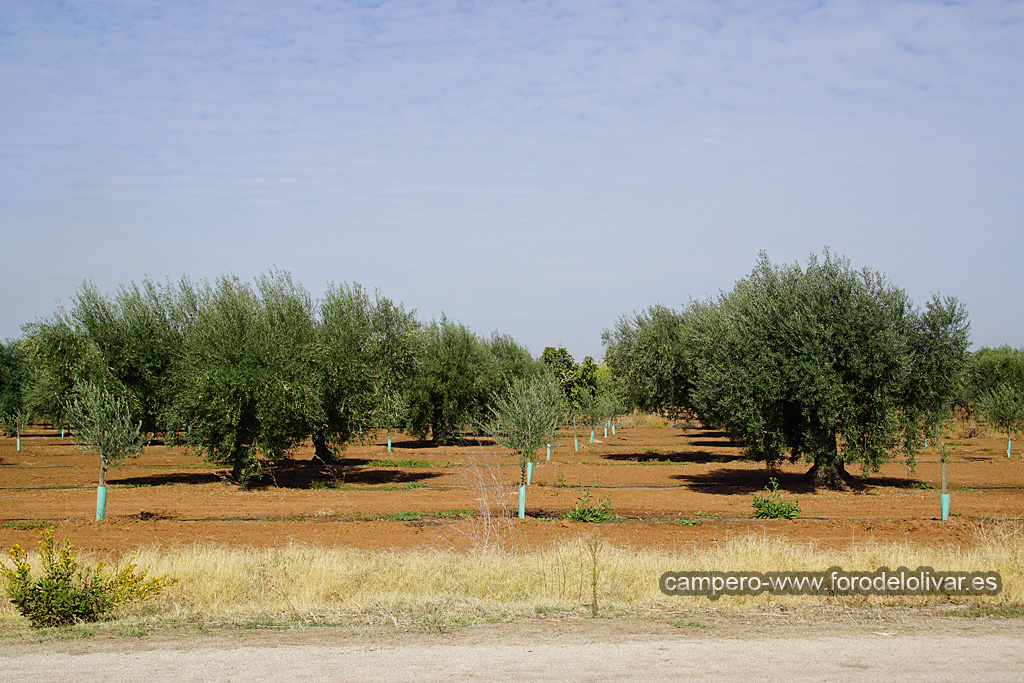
829,470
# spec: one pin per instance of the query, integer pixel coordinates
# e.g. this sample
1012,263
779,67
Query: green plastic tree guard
529,473
101,502
522,501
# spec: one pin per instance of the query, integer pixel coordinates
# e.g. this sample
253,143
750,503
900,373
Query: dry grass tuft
493,528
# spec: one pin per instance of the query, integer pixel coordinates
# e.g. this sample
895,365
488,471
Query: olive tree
452,383
244,385
128,340
364,353
649,360
528,412
13,377
59,357
13,371
1004,408
990,369
825,363
101,421
602,408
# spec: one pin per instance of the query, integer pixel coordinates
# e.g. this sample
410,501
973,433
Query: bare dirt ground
672,487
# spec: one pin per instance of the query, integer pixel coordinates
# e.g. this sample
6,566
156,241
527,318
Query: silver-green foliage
526,416
826,363
128,340
13,376
244,386
456,373
364,352
601,407
102,422
988,370
1004,408
650,361
13,423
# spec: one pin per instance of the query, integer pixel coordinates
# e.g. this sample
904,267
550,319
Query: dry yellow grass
305,584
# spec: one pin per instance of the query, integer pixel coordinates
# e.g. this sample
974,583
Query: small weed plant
770,506
585,511
68,593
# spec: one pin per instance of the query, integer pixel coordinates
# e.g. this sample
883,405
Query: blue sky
540,168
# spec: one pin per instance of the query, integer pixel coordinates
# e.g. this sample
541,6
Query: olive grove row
823,362
244,373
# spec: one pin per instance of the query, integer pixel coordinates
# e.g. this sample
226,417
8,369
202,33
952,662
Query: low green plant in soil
585,511
771,505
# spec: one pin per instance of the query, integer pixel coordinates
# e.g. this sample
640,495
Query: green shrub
771,507
67,593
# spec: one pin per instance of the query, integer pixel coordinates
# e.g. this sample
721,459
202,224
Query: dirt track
942,649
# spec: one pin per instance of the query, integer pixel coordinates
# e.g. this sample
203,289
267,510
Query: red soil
655,478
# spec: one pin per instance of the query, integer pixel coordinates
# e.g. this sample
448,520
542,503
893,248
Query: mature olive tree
649,360
826,363
128,340
509,361
13,377
988,370
452,383
59,356
364,354
244,385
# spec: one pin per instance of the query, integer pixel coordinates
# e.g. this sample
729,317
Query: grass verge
438,588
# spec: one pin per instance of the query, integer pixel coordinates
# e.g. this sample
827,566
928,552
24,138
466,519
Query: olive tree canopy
826,363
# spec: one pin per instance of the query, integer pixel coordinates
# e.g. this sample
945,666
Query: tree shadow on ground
197,477
730,482
693,457
708,438
410,444
297,474
306,473
416,444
